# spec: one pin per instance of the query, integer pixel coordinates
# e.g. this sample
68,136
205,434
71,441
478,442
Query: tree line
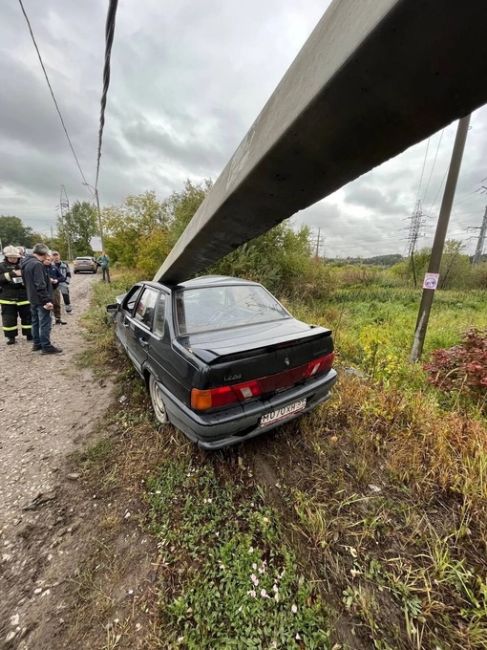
140,232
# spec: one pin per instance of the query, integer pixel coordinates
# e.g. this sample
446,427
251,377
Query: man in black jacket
39,292
13,297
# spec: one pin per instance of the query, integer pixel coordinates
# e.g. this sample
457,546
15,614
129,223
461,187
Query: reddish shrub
462,367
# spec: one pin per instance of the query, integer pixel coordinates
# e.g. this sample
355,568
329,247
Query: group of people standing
32,288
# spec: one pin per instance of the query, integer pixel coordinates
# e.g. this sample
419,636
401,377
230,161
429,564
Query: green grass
101,348
373,328
356,314
238,584
378,538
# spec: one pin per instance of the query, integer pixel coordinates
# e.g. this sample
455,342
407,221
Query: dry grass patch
388,492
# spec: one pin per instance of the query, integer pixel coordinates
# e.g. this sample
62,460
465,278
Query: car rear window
214,308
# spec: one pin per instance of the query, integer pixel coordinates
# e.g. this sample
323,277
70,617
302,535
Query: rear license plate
282,413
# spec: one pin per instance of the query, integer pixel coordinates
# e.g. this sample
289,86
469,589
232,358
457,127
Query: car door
125,313
160,352
170,367
138,332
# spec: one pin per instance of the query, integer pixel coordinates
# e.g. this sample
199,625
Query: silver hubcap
157,401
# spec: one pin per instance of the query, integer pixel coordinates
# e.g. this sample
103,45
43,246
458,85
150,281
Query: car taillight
319,365
203,400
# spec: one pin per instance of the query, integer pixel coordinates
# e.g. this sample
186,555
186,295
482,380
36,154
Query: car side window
159,319
131,299
144,312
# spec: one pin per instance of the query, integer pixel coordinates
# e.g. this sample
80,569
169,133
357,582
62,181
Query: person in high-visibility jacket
13,297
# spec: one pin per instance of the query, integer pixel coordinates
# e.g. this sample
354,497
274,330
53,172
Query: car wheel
157,401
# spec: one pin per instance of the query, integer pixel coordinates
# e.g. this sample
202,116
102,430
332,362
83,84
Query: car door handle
143,343
126,323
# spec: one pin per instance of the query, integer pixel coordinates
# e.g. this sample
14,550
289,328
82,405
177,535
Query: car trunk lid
275,352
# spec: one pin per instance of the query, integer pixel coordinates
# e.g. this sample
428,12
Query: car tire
157,401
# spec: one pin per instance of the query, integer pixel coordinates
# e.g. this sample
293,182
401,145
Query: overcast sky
188,80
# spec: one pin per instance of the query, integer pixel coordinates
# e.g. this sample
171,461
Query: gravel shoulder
48,409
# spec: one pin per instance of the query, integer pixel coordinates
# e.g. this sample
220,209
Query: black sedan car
223,360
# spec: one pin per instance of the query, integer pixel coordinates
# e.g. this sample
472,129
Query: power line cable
52,94
422,171
425,195
109,33
440,187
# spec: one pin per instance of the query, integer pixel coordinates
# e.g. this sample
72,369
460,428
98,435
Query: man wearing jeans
39,293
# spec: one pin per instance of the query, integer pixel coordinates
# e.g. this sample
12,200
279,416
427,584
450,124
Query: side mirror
112,308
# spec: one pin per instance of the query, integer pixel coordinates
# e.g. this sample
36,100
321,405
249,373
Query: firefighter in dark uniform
13,297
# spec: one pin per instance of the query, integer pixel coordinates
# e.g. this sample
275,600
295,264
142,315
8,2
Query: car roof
203,281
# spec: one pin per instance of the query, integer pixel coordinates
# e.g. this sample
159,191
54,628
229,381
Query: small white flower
275,588
251,549
263,593
255,579
209,500
297,637
251,593
276,596
294,609
254,566
265,520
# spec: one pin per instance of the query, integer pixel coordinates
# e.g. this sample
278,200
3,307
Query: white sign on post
431,280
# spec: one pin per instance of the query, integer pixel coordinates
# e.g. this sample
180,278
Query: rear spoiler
210,357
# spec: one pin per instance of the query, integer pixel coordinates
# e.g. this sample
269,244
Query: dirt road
48,406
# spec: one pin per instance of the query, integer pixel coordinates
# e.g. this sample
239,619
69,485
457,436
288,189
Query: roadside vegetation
363,524
360,525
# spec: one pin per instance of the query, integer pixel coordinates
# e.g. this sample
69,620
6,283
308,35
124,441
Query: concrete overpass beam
374,77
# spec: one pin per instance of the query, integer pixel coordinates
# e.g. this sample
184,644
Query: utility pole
431,279
64,205
317,255
100,221
481,240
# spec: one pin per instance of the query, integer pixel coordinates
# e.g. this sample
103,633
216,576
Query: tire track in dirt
47,412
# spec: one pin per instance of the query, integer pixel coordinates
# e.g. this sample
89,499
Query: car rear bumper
226,428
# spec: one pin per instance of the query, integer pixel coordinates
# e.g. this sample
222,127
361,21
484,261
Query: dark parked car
224,361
